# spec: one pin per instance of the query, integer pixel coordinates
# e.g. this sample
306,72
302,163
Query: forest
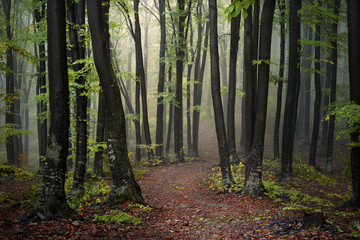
179,119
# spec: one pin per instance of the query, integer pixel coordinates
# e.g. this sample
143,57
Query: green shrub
118,217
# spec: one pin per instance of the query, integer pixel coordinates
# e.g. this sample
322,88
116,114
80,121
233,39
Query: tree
224,153
234,45
317,102
178,113
160,106
281,5
51,201
76,18
292,93
39,14
353,9
10,88
253,167
124,185
330,139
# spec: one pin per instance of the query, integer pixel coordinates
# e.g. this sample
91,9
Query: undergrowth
118,217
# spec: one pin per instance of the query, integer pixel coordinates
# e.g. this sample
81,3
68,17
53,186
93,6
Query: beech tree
353,17
253,166
292,93
124,185
224,153
51,201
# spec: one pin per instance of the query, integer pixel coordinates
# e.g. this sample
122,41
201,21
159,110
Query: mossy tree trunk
124,185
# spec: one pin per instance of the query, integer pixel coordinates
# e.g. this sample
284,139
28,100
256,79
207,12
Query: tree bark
41,89
317,103
160,106
280,83
253,167
188,92
124,185
76,19
224,153
234,46
334,56
292,93
250,87
51,201
353,9
178,113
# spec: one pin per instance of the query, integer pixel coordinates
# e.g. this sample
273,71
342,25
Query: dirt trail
187,209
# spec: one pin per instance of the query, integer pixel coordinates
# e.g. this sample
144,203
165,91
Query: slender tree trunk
317,103
250,88
307,90
100,135
280,83
255,37
178,113
51,201
234,46
76,17
140,74
160,106
188,93
334,56
224,153
253,171
171,115
198,93
292,93
10,88
326,101
124,185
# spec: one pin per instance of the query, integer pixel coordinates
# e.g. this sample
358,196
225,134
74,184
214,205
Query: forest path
186,209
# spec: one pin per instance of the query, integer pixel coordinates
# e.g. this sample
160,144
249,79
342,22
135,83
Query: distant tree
124,185
51,202
224,153
292,93
253,166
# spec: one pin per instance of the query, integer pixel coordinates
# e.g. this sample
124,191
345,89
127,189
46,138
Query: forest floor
183,206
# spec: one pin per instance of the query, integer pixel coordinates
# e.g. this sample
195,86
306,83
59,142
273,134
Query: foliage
177,186
95,191
311,174
236,7
215,182
20,174
145,208
118,217
346,111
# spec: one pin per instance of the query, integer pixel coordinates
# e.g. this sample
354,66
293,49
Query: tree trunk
292,93
198,93
76,17
307,89
10,88
124,185
334,56
234,46
280,83
224,153
253,167
353,9
41,89
140,74
317,103
51,201
100,135
188,93
250,87
160,106
178,113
